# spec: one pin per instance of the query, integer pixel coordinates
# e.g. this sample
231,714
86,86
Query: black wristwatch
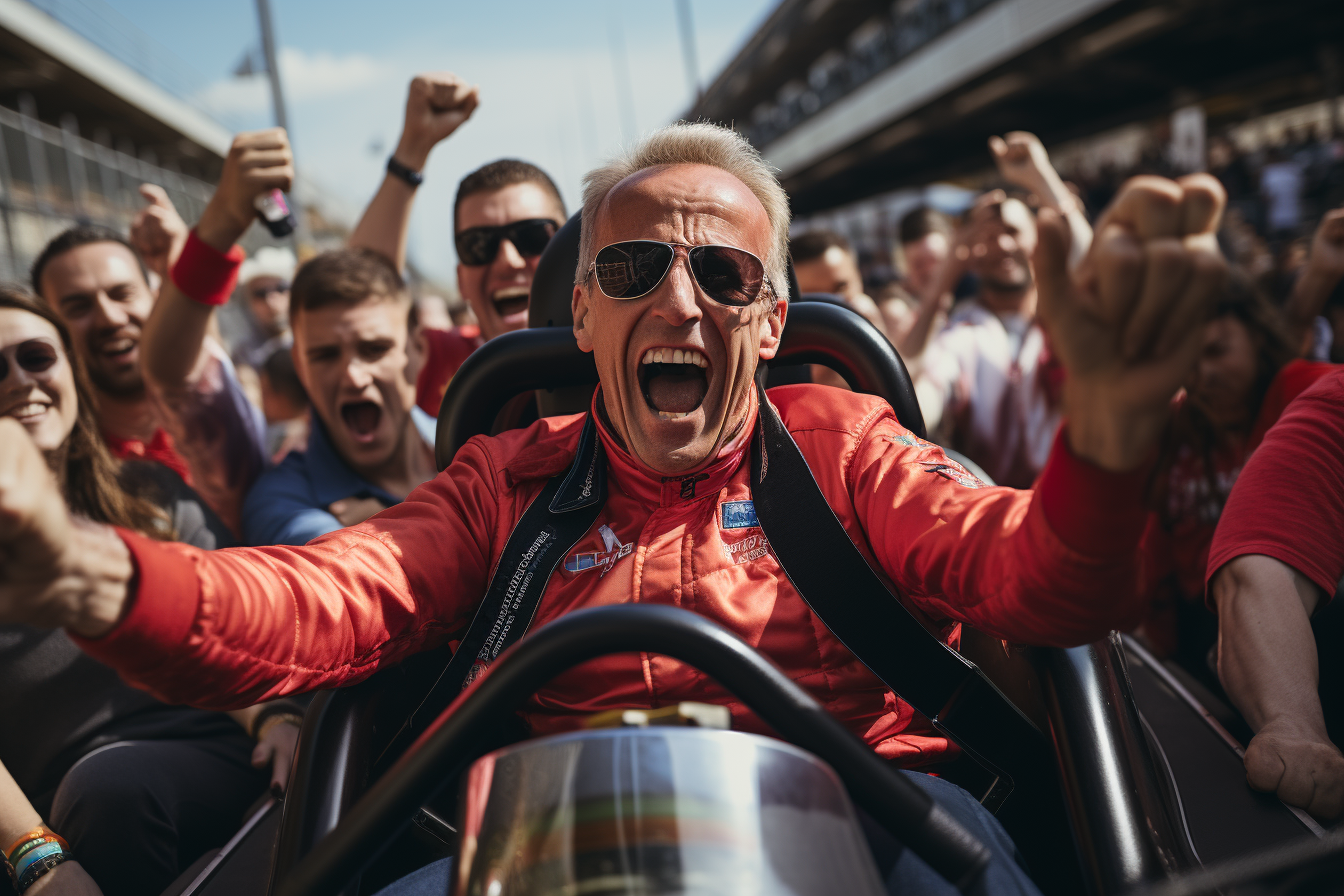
413,179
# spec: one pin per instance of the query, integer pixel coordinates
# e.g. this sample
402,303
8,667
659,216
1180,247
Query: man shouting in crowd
503,216
681,292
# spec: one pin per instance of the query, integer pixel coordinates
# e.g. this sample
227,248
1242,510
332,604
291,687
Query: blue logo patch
739,515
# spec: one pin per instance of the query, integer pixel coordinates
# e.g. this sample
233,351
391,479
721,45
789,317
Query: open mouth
28,413
117,349
362,419
510,301
674,381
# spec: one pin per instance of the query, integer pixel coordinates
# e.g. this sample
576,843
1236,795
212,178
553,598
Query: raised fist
158,232
1301,768
258,162
1023,161
437,104
1128,320
1327,246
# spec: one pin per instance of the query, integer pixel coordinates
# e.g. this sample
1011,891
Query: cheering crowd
1153,428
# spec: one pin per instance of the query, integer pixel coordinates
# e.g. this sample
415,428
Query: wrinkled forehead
692,204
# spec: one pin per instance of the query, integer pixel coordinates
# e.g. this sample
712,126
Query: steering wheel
455,740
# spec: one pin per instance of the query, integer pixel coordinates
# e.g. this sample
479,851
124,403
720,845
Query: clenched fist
1301,767
258,162
437,104
1127,321
158,232
55,570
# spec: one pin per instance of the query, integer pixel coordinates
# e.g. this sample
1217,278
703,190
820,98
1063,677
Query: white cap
268,261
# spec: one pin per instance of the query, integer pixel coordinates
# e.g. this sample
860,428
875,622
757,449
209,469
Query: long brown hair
1245,302
89,474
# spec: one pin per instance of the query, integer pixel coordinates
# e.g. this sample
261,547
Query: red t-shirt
1175,548
1289,501
445,351
159,449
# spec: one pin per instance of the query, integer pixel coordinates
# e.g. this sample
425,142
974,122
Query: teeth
32,409
674,356
117,346
672,415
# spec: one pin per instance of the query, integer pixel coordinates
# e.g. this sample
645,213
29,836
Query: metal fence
51,178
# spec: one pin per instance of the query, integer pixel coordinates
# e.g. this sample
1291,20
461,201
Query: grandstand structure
851,99
80,130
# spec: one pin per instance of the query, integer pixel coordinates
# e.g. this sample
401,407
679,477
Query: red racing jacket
1054,566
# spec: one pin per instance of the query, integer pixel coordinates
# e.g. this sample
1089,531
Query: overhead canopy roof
67,74
1060,68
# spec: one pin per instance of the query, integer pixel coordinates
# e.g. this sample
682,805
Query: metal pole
686,25
272,69
620,71
301,235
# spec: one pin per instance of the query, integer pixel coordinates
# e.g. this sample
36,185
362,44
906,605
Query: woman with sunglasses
111,767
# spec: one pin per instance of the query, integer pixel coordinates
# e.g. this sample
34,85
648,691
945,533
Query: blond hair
698,143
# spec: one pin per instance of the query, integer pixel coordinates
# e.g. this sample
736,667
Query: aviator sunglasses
479,245
34,356
634,268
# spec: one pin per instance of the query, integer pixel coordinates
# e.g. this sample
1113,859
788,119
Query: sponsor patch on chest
753,547
738,515
583,561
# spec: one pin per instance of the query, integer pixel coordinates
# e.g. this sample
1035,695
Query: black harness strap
835,580
553,524
823,564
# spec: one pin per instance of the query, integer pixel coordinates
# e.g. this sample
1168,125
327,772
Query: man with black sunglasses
680,293
504,214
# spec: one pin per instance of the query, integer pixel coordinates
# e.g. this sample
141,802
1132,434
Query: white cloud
304,76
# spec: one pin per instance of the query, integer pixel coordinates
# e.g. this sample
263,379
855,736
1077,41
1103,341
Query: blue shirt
288,503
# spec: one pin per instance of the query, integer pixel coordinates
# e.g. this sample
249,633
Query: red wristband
204,274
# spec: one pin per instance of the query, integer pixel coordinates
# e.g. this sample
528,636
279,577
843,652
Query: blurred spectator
204,431
987,383
504,214
1248,372
1281,185
824,262
140,789
284,404
1276,560
264,280
432,312
923,243
369,444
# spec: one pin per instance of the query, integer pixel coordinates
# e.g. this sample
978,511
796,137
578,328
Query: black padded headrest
553,284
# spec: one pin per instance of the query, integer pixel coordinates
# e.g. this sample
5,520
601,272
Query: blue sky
548,92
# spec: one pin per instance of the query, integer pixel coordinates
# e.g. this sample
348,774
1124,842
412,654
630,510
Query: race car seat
1124,804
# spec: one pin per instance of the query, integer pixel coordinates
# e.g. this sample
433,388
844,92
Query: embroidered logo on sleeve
583,561
953,471
910,440
739,515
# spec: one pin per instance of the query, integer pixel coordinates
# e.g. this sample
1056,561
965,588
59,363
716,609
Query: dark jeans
137,813
905,873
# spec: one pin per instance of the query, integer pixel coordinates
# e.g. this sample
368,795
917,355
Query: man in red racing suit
678,297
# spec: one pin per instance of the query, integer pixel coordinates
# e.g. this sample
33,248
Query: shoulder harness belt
827,570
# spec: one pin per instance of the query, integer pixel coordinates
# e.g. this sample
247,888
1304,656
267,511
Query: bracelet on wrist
405,173
283,707
33,855
204,274
278,718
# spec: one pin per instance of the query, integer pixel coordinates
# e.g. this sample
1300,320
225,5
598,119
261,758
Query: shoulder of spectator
281,507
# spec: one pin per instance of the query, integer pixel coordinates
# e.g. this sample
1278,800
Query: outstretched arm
1267,661
1324,270
437,104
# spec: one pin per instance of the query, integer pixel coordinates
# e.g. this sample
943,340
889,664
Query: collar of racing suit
643,484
